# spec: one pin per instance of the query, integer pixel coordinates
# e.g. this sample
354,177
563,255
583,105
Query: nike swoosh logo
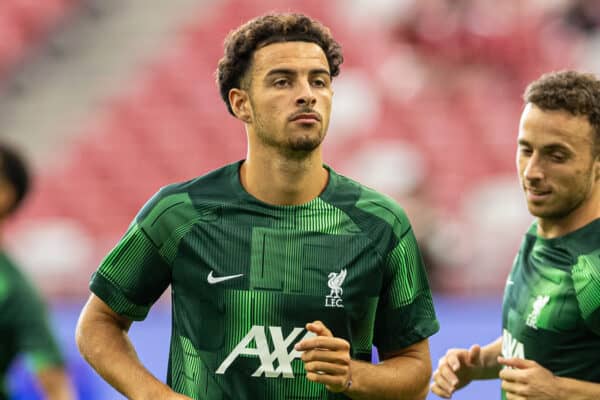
212,280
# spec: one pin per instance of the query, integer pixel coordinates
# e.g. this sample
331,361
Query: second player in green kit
550,343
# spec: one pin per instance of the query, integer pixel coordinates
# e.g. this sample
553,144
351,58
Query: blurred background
112,99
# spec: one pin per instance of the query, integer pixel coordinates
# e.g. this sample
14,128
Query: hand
456,369
527,380
326,358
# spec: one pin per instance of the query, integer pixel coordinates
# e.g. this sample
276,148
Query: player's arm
459,367
102,339
390,379
403,374
527,379
55,383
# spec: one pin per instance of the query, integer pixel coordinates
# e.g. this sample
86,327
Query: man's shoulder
374,202
216,182
590,262
584,244
212,187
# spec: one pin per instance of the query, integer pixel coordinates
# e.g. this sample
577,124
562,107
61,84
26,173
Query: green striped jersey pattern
246,277
551,310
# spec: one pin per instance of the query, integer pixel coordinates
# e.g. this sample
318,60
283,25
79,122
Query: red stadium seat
24,23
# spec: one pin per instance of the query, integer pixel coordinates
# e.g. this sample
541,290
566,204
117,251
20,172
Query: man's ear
240,104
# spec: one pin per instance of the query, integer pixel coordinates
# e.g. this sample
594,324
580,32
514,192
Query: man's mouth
537,191
305,117
536,194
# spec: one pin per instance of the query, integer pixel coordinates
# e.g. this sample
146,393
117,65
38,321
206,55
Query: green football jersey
246,277
551,309
24,327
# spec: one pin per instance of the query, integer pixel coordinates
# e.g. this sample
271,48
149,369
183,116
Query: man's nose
306,97
533,169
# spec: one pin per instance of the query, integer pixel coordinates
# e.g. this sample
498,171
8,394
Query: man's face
289,96
555,161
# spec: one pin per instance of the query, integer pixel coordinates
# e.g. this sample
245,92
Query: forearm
103,341
109,351
399,378
55,384
489,356
572,389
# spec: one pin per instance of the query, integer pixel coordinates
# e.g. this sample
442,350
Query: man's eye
281,83
558,157
525,151
319,83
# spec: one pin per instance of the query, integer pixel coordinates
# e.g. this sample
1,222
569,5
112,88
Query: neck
279,180
587,212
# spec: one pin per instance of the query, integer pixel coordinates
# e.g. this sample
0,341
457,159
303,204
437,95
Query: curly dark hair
13,169
242,42
572,91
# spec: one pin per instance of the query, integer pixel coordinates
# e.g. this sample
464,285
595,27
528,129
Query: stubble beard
559,211
304,143
297,146
565,205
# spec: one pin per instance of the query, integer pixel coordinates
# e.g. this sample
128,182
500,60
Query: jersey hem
426,330
112,296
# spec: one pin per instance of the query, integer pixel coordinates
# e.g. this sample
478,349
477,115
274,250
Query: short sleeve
586,280
138,270
132,276
405,313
